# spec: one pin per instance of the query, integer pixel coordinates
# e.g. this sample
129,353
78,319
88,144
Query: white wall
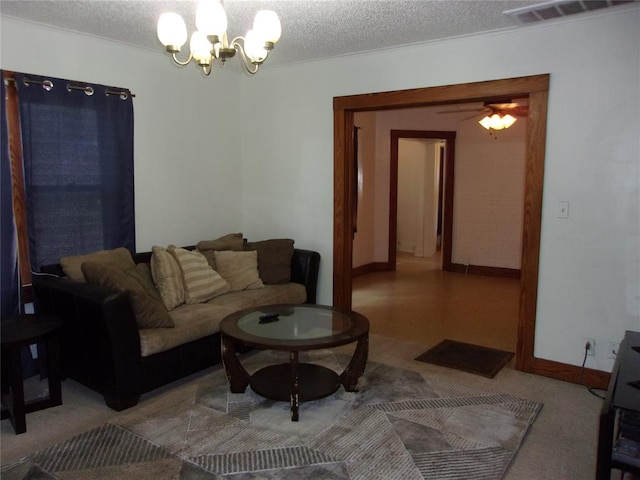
589,265
187,149
488,211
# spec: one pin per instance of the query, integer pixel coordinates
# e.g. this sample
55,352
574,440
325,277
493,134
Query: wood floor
421,303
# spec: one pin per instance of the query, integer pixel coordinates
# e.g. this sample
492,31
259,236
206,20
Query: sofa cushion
274,259
149,312
119,258
200,281
142,273
269,295
231,241
192,322
167,277
240,269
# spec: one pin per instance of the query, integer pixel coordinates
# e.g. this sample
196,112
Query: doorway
535,88
445,217
417,210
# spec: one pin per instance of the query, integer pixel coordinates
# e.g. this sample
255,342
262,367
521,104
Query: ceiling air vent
558,8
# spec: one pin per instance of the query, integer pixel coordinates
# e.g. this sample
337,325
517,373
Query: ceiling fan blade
518,111
463,111
472,116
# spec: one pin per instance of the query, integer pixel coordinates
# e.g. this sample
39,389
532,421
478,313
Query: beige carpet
401,425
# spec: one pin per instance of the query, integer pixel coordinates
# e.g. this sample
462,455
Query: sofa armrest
305,266
99,340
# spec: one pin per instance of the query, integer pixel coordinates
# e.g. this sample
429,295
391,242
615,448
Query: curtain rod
48,85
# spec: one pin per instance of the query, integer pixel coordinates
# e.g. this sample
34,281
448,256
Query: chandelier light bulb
211,19
254,47
201,48
172,31
267,24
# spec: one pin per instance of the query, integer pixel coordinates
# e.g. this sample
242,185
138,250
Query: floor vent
558,8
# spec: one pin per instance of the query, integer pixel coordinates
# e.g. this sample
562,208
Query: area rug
400,425
467,358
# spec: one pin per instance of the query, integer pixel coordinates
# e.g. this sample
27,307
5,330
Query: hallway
420,303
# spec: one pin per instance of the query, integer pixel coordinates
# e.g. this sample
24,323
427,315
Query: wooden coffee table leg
237,376
351,375
295,386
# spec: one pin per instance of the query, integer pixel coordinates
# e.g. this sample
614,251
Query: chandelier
210,42
497,121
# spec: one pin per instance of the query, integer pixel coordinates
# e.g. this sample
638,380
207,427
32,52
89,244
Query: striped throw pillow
166,275
200,281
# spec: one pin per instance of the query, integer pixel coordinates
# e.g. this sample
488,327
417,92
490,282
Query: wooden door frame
448,165
536,89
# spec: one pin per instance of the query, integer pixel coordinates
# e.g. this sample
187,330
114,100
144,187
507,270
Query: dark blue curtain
78,162
8,241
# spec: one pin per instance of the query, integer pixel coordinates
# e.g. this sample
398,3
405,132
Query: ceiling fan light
486,122
267,24
497,121
172,31
211,19
508,120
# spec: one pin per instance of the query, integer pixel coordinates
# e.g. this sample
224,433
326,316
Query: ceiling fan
497,115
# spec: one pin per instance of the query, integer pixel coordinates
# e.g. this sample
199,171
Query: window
77,145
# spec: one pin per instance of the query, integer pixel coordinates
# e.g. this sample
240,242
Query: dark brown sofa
100,340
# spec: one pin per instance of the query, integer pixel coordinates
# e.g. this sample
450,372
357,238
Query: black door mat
466,357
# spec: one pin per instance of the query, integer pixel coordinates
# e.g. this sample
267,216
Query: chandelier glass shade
210,41
497,121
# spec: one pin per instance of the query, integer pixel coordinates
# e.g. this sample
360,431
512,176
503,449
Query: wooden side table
16,332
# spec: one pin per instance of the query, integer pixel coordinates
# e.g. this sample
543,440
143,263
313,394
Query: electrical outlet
563,210
612,351
592,346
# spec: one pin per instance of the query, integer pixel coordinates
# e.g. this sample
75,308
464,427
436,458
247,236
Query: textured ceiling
312,29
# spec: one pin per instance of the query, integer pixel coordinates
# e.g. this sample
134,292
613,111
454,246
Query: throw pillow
200,281
142,273
274,260
119,258
231,241
167,277
240,269
149,312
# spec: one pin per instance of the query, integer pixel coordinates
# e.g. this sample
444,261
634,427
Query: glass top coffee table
294,328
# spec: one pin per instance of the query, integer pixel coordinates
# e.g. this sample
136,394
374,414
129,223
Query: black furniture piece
100,343
294,329
17,332
619,435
